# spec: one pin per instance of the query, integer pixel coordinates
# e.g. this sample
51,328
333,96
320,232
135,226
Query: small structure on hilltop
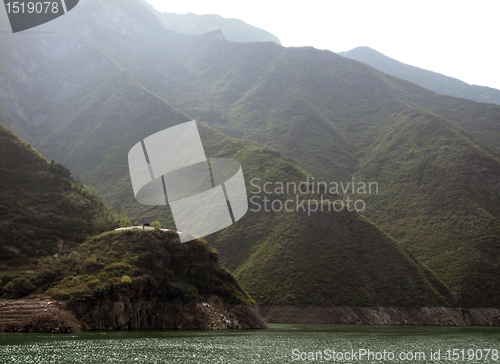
145,227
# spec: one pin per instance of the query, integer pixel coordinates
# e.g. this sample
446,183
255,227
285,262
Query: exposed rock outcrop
136,309
432,316
123,312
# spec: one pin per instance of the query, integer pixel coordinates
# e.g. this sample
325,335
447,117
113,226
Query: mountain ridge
234,30
428,79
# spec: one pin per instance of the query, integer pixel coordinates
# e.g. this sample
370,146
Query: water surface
274,345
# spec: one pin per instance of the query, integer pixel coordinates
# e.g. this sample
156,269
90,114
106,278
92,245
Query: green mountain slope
450,221
99,138
257,162
41,206
332,259
326,258
359,108
237,244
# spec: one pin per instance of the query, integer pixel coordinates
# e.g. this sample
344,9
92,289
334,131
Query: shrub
20,287
44,278
125,222
126,279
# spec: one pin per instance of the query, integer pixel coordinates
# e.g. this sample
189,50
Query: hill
42,209
430,80
319,258
143,280
332,116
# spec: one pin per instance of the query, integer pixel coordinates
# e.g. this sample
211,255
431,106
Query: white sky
456,38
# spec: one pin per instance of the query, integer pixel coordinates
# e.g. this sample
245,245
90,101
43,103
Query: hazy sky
456,38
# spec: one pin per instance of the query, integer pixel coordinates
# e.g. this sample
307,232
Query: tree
125,222
156,224
20,287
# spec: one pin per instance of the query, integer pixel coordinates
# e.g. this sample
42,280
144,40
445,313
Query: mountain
88,152
42,208
328,113
332,116
234,30
414,282
98,111
285,115
430,80
450,221
324,258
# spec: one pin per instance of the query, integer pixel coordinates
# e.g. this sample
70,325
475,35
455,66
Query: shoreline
46,316
415,316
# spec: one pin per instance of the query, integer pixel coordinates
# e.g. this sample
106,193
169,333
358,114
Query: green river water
278,344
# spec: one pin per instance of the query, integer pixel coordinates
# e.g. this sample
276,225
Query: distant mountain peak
125,16
215,35
234,30
430,80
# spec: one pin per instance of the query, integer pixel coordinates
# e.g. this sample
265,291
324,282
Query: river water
278,344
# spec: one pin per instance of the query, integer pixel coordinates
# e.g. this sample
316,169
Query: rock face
136,309
124,312
431,316
37,315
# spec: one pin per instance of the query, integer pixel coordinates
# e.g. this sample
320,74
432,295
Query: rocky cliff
136,309
124,311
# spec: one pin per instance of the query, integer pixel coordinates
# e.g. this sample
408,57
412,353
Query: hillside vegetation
451,223
117,261
42,208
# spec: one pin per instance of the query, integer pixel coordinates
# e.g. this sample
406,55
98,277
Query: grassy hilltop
122,260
